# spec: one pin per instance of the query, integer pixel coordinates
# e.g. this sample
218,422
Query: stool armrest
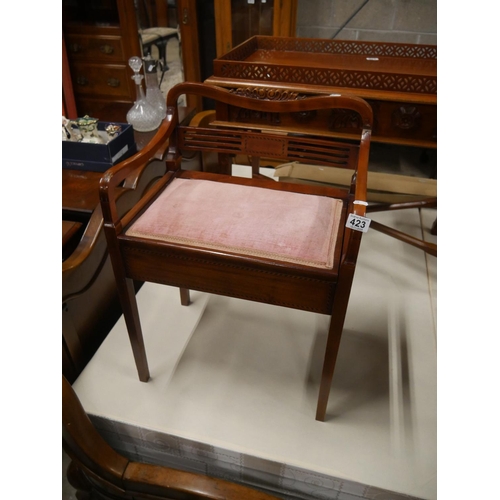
114,176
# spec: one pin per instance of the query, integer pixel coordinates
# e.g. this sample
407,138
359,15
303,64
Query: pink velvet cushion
280,225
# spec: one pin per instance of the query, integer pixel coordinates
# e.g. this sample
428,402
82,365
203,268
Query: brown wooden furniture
247,259
97,471
100,38
68,96
398,80
426,246
238,20
209,29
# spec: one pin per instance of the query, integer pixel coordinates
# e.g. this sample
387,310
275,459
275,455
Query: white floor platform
234,383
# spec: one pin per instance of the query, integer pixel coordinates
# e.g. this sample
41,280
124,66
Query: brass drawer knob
81,80
113,82
75,48
106,49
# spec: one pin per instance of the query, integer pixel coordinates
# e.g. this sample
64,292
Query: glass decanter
142,116
153,93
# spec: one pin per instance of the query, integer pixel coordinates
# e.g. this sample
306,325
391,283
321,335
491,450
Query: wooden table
398,80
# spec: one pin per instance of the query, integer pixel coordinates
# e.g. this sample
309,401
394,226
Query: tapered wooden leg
334,335
255,166
332,349
434,228
131,315
185,299
126,294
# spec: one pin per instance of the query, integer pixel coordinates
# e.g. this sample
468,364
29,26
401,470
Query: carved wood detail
325,46
350,47
406,117
261,58
267,94
330,77
345,119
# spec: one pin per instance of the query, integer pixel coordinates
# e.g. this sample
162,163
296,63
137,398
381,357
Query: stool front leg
128,302
339,312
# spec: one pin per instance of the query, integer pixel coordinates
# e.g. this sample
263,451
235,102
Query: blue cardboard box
99,157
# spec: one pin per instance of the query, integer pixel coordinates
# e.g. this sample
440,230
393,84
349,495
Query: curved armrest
82,441
117,174
81,268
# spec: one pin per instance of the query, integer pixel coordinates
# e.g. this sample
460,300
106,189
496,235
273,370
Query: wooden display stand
399,81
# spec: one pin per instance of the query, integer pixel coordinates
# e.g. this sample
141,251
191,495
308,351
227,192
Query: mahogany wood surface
69,229
227,272
70,236
426,246
352,62
97,471
430,248
79,190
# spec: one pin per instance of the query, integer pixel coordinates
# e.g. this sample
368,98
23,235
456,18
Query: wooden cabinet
100,38
238,20
210,28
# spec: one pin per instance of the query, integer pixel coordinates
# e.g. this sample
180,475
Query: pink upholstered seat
280,225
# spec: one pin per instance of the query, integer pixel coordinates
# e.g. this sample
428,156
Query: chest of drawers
99,44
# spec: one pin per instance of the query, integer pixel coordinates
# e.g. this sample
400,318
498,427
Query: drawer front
106,109
406,122
95,48
99,80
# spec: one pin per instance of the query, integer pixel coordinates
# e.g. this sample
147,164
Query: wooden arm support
117,174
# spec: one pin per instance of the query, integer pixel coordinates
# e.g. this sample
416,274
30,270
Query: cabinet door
263,17
238,20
